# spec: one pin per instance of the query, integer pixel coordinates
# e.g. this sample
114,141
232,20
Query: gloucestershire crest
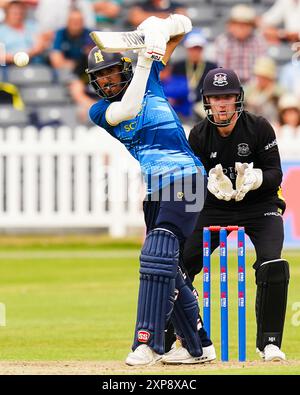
243,149
220,79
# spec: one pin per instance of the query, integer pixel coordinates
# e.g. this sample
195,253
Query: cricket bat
118,41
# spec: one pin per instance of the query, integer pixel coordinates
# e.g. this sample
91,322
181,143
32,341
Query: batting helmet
219,82
98,61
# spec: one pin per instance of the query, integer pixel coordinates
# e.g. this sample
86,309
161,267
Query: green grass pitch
80,304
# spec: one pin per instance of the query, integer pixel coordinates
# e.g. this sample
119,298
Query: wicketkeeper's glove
248,179
219,184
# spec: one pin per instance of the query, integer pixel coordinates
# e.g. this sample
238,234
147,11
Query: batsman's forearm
131,103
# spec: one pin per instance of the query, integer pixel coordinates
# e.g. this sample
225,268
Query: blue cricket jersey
155,137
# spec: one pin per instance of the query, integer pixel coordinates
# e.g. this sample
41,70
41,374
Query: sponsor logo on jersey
220,79
143,336
271,145
213,155
130,126
243,149
180,195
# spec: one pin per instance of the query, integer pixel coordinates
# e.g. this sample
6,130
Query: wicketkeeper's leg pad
185,316
272,280
158,267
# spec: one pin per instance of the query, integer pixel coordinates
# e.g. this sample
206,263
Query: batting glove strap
155,45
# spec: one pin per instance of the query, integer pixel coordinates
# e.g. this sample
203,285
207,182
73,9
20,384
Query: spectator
71,43
159,8
52,15
195,68
83,97
240,45
10,95
262,94
176,90
288,131
19,34
2,5
285,13
289,77
289,110
80,90
107,12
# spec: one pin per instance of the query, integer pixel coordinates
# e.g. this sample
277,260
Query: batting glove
248,179
219,184
155,24
155,44
178,24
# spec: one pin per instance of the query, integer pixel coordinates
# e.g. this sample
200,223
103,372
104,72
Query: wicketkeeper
240,154
134,110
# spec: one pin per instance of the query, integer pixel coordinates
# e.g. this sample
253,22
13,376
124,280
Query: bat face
118,41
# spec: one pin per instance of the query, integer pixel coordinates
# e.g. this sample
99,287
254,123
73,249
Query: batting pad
158,267
185,316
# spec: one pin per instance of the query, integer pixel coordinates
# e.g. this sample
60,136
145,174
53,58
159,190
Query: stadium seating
30,75
9,116
207,16
45,95
60,115
45,91
281,54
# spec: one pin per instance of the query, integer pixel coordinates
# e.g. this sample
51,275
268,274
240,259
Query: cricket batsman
240,154
135,111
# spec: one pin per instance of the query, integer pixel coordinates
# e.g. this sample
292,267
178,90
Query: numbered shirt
155,137
252,140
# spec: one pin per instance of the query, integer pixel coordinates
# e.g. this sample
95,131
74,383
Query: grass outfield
79,304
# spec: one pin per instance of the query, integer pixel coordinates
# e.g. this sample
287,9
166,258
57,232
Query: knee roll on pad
185,316
158,267
272,280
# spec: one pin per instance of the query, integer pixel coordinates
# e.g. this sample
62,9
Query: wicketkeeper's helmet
98,61
220,82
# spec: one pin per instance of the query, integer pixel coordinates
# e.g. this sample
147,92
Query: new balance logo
213,155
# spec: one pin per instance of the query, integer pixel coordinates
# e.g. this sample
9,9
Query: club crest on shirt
220,79
243,149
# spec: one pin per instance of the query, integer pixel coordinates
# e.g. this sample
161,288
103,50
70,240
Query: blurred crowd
260,41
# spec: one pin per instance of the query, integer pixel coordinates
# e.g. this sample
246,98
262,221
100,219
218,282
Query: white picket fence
63,178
